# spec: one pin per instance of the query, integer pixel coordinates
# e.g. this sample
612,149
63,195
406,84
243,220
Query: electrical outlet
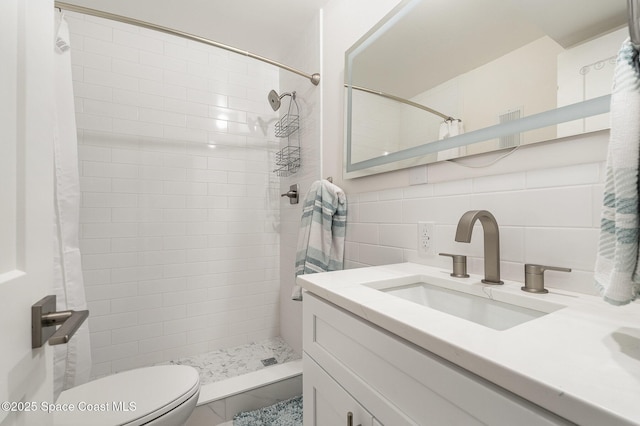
426,239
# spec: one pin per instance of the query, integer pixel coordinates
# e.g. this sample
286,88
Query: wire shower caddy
288,158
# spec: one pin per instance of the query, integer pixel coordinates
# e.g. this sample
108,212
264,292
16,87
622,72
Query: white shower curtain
72,361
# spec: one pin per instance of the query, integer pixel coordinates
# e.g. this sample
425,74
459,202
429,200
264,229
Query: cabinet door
326,403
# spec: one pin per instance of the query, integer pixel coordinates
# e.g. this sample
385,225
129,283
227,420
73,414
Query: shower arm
313,78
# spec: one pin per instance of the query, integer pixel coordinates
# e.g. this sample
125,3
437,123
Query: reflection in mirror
439,80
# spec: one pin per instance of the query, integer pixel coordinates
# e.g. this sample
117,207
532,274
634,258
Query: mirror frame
418,155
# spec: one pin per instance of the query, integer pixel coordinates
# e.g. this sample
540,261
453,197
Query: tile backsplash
546,216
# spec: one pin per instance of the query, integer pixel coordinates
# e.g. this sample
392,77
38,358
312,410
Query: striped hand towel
322,230
616,272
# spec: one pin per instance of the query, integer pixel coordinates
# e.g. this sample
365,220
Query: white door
26,205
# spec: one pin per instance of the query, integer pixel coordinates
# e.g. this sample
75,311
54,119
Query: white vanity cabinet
352,365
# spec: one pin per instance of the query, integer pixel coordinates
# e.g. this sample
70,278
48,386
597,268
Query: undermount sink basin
481,304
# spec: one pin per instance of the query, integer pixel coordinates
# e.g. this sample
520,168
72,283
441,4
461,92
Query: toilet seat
154,391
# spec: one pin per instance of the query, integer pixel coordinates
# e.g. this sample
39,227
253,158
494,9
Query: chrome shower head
274,98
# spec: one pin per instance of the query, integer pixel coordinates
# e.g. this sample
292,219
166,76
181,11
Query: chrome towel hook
292,193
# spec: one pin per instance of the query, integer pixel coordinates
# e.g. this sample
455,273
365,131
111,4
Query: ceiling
431,42
266,28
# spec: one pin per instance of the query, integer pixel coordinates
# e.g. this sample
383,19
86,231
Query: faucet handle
534,277
459,265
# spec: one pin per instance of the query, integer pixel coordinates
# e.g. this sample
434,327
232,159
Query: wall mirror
436,80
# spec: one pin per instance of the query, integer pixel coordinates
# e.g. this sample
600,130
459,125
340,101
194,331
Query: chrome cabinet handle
44,320
534,277
350,419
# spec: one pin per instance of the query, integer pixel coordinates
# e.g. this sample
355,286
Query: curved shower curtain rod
402,100
313,78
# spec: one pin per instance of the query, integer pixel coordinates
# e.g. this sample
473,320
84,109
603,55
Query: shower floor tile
230,362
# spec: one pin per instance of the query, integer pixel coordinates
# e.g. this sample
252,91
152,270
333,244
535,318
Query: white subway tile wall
180,239
305,55
548,216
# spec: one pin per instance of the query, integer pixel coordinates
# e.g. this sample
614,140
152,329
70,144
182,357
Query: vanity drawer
405,383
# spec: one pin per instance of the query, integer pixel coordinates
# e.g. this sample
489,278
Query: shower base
235,379
226,363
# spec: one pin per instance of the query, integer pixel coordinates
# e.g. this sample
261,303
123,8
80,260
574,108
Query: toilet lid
132,397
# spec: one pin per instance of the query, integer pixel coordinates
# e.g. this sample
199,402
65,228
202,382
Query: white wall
340,30
304,55
548,216
318,128
586,72
180,241
545,197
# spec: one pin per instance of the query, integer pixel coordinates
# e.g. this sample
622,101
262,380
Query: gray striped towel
322,231
616,274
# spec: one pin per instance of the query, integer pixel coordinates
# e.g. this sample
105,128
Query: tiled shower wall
179,238
304,55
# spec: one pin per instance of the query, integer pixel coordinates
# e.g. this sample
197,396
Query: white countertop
581,362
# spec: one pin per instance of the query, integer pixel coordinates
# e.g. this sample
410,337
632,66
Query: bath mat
284,413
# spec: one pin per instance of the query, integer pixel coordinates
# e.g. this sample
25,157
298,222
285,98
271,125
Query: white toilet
163,395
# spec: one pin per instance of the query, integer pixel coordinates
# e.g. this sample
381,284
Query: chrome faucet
491,241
